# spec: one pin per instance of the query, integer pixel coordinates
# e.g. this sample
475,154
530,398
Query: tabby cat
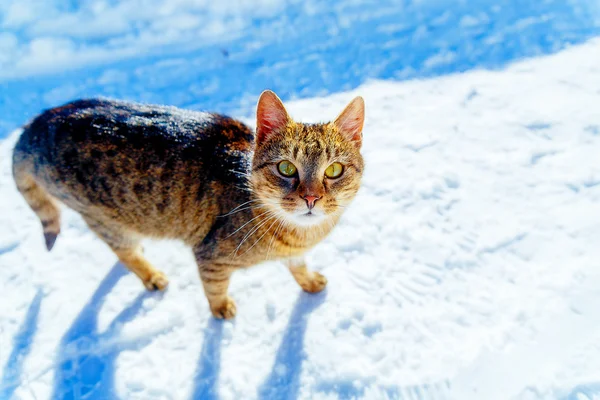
237,198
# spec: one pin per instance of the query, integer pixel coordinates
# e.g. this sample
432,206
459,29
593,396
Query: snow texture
467,268
220,55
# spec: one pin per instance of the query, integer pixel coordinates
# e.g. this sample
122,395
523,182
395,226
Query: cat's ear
350,121
271,116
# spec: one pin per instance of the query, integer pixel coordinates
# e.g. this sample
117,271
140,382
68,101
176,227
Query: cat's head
306,173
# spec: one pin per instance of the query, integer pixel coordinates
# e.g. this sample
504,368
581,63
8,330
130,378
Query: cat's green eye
334,170
286,168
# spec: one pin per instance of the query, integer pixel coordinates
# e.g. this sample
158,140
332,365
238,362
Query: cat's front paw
156,281
316,284
224,310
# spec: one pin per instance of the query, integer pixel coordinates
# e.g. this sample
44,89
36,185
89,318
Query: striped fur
135,171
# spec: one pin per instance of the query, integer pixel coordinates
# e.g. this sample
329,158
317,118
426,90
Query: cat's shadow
12,371
86,357
289,358
209,362
284,380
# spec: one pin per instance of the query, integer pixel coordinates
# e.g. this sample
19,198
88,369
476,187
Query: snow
219,56
55,36
467,267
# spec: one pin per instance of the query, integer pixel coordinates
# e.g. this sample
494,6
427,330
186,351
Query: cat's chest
270,242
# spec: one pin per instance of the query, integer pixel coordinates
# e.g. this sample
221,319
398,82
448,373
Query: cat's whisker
253,231
273,236
269,215
241,206
285,224
238,229
261,236
236,209
282,223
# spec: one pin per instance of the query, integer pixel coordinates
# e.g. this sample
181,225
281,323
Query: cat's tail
41,202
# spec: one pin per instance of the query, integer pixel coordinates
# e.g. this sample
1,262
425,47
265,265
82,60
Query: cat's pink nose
310,201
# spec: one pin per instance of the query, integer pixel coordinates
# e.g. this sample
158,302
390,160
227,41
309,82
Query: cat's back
128,126
85,132
135,160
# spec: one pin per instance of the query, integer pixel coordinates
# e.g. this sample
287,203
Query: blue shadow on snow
11,374
209,363
284,380
86,358
305,51
584,391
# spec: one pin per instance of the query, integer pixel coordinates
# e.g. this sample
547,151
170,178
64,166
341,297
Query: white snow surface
467,267
43,36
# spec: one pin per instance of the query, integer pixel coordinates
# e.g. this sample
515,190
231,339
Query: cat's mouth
307,218
313,214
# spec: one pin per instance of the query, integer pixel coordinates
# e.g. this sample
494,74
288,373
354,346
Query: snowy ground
467,268
219,56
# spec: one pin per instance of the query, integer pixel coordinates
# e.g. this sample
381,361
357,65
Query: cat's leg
41,202
309,281
215,279
130,253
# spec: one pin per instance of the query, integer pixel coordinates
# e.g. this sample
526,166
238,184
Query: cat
237,198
